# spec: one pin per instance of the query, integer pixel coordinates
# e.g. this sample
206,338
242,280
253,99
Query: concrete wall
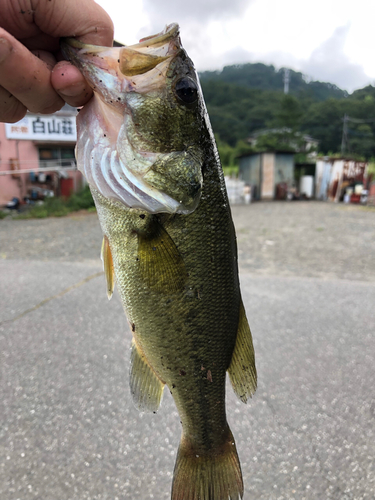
24,154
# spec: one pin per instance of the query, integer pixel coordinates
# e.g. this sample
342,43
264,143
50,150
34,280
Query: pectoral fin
162,267
109,272
145,386
242,371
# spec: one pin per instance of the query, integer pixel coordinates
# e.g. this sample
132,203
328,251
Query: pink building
37,156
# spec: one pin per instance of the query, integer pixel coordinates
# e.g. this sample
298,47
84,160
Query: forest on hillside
242,99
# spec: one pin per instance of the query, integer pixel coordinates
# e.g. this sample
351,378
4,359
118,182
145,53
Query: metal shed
268,173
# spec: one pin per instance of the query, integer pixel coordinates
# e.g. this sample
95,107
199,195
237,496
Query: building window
56,157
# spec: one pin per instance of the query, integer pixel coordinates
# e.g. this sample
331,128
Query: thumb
70,84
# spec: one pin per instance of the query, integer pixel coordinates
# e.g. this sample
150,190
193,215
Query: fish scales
201,319
170,240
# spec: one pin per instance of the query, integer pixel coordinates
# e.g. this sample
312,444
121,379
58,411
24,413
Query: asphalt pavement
69,430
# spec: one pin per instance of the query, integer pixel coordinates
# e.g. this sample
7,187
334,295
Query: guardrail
40,166
38,169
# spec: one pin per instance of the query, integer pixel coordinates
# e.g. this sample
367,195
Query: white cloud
196,11
331,64
328,40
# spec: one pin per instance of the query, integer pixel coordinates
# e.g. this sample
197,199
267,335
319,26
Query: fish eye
186,90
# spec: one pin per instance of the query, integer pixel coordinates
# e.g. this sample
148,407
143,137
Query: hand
30,76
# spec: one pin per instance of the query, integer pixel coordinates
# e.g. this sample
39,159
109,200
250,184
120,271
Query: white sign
43,128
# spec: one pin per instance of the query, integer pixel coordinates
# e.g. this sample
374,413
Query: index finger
83,19
76,18
27,77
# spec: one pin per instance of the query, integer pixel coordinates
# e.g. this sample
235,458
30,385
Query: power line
357,120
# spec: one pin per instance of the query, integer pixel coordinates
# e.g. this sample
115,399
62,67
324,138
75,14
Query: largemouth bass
146,147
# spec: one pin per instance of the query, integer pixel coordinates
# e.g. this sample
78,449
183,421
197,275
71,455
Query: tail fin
212,476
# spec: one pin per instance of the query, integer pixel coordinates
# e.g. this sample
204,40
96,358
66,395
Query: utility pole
344,141
286,80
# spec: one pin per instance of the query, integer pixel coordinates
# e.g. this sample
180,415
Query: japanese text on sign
45,128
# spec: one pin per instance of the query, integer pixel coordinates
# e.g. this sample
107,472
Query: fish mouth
124,63
113,162
170,33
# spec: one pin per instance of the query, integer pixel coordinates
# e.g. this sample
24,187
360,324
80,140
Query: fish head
140,139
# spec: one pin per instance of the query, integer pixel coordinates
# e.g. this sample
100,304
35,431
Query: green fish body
169,245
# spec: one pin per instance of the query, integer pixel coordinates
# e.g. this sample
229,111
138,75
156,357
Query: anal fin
242,371
109,272
145,386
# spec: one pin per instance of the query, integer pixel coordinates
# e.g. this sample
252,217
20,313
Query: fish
147,150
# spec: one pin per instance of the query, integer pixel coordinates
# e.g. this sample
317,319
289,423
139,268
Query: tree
289,114
323,121
244,99
361,140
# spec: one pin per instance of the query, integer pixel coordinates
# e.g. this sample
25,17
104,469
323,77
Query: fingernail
5,48
73,90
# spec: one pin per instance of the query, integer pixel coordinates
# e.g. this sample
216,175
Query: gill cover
131,162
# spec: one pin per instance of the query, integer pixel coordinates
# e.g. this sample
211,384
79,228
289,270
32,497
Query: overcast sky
327,40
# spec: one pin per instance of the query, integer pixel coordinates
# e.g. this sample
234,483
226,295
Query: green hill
261,76
244,98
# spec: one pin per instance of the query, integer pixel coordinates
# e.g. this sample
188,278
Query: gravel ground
69,429
311,239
